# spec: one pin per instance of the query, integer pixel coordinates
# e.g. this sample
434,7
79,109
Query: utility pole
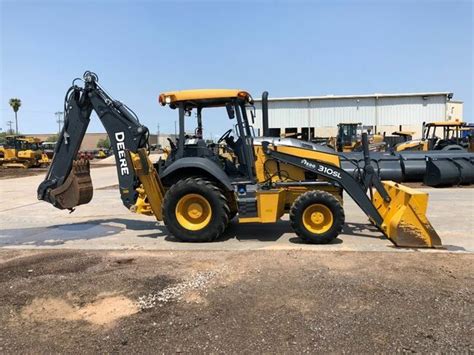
157,135
10,125
59,120
175,134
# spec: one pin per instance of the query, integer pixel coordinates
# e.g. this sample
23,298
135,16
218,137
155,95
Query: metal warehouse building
318,116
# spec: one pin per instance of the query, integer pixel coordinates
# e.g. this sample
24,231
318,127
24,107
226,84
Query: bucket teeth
77,188
404,217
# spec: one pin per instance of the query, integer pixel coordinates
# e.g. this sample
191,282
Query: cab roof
203,97
446,123
25,138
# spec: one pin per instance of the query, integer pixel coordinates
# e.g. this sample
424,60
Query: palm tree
15,104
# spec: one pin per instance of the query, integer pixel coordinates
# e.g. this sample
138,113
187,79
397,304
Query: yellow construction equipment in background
349,138
443,135
22,152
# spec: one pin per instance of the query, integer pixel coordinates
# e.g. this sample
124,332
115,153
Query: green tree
15,104
2,137
104,143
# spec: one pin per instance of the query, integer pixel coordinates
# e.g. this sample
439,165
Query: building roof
208,95
375,95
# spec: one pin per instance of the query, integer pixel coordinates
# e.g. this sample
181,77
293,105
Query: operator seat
238,148
197,147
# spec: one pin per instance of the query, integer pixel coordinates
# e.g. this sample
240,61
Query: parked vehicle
196,191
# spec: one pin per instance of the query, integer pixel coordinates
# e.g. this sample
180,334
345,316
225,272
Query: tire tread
305,200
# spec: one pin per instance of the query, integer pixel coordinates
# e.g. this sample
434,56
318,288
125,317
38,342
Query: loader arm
67,183
336,174
396,210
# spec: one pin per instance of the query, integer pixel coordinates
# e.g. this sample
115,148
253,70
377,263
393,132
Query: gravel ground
234,302
11,173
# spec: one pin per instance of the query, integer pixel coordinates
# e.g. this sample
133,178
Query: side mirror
230,111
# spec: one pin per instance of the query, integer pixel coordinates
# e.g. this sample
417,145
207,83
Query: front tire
317,217
195,210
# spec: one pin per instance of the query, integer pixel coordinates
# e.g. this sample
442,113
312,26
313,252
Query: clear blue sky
141,48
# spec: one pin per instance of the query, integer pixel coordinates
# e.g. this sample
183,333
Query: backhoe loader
349,139
197,190
443,135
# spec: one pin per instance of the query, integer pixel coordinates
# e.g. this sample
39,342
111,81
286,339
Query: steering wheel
225,136
172,145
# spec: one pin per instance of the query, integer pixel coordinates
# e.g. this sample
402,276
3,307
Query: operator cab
22,143
233,151
450,134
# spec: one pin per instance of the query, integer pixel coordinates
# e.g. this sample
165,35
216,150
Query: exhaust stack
265,114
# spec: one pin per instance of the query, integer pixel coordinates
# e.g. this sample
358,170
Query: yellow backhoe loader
349,139
22,152
443,135
196,191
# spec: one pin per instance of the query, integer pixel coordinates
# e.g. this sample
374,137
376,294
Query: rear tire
317,217
195,210
453,147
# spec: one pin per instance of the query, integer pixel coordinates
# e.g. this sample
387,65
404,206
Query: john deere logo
308,164
120,137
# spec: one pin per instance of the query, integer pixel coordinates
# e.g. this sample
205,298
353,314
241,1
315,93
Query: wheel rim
317,218
193,212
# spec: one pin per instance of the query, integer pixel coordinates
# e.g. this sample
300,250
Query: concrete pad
106,224
21,192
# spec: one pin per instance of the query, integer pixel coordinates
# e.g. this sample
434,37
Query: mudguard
196,163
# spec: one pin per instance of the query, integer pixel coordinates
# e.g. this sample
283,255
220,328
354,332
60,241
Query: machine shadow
256,231
251,231
362,230
99,228
274,231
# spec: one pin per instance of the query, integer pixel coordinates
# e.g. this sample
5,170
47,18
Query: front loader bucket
76,190
404,217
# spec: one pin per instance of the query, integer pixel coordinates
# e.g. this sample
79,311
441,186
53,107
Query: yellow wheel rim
317,218
193,212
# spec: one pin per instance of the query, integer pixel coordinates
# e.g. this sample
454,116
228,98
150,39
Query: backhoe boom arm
123,129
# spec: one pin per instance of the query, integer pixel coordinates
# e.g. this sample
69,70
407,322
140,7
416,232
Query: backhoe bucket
404,217
77,189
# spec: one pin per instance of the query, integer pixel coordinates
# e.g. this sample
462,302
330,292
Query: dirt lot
254,301
9,173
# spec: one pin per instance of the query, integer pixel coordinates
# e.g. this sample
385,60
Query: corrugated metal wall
384,111
411,110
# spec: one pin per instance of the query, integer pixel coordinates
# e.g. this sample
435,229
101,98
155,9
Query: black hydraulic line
304,183
370,177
